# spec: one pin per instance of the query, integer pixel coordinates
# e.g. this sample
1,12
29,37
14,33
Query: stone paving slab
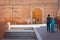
48,36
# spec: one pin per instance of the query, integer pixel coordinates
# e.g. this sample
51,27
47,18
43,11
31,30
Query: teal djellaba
52,24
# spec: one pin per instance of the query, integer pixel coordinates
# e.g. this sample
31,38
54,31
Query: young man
48,23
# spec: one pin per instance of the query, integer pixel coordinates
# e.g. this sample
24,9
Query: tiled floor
48,36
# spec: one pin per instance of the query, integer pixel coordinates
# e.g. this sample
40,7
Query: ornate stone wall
20,10
51,7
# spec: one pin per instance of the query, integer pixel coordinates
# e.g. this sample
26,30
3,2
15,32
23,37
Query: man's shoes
53,31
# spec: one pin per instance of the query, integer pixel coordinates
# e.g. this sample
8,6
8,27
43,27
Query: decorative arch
37,14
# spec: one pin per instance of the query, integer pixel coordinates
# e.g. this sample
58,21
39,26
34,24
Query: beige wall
51,7
21,9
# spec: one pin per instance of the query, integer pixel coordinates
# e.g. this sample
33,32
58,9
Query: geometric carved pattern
20,10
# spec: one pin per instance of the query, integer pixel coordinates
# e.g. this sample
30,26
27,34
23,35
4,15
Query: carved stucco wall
20,10
58,7
51,8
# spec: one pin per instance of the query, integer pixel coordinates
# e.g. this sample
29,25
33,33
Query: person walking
48,23
52,24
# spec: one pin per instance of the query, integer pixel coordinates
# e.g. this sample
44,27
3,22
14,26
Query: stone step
19,35
16,34
19,32
19,39
21,28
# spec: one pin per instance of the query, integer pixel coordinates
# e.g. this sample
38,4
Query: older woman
52,24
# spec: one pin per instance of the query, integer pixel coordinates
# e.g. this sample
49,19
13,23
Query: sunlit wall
18,11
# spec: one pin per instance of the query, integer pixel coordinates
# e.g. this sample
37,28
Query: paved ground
42,31
48,36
